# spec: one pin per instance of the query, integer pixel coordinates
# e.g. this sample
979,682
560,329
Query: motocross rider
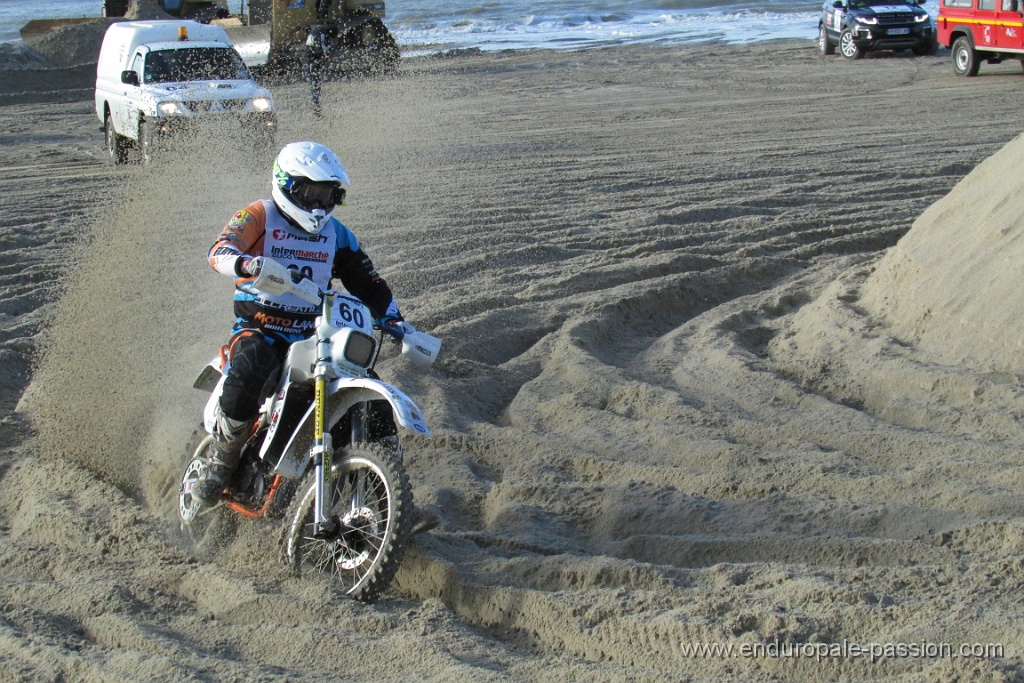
295,228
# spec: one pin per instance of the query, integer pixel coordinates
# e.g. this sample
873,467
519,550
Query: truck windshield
194,64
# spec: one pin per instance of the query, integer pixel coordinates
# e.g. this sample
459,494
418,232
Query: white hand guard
275,278
251,266
393,323
405,327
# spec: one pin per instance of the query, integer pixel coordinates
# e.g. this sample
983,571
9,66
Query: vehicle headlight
921,18
352,351
867,20
172,108
262,104
359,349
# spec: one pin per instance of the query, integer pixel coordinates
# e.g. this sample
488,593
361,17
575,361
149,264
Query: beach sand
732,358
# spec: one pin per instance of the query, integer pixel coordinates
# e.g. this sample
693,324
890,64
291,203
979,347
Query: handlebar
274,278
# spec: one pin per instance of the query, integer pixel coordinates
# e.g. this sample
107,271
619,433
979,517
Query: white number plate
898,31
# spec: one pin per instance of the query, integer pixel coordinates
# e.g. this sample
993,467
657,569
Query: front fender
345,393
342,395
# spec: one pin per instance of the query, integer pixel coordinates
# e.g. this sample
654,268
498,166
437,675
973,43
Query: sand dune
731,360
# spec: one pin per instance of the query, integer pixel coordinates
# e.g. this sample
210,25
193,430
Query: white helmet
307,184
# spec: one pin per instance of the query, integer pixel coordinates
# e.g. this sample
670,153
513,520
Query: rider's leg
253,360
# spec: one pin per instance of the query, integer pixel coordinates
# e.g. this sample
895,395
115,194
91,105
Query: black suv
859,26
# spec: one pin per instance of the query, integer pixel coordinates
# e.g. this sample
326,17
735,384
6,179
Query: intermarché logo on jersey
285,235
300,254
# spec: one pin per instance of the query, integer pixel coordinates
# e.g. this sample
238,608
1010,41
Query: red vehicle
981,30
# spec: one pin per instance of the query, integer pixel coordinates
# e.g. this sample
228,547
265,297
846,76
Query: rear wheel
824,46
965,59
848,46
189,509
203,529
370,509
117,145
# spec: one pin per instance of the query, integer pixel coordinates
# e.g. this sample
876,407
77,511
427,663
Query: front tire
965,59
370,500
148,143
848,46
116,145
928,49
825,47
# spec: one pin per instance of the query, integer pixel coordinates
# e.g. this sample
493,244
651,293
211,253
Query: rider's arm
240,240
355,270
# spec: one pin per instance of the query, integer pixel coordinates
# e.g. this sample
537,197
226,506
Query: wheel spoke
363,554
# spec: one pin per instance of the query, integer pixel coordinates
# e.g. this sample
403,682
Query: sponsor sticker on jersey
300,254
239,219
279,234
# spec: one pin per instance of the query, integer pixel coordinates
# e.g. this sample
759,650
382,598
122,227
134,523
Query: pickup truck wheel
965,59
147,143
824,46
848,47
117,146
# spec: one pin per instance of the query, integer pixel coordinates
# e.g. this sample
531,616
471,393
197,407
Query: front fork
322,452
324,525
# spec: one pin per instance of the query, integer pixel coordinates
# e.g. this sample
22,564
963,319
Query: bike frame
310,442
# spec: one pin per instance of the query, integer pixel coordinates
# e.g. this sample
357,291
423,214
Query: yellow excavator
271,34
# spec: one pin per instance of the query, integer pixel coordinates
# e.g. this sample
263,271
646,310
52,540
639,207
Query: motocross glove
250,267
394,323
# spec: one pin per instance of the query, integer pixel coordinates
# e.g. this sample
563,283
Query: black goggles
312,195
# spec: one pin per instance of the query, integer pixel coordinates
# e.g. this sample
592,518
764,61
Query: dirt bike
324,453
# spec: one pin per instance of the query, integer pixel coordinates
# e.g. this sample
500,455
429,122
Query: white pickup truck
159,79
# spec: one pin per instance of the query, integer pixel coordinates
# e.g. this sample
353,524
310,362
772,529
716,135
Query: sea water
433,25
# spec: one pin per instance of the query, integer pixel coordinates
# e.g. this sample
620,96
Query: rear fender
211,379
342,395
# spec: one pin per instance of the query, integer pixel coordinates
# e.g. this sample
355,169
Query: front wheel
370,515
965,59
116,145
848,46
930,48
825,47
147,143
